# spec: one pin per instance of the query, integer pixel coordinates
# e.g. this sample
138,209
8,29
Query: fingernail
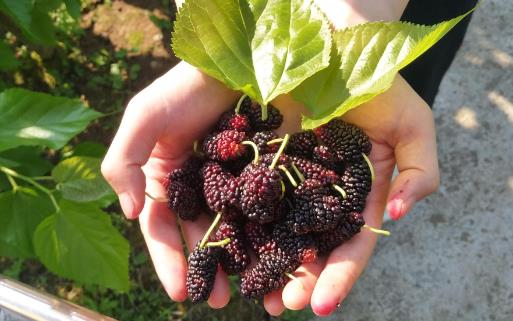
323,310
395,208
127,205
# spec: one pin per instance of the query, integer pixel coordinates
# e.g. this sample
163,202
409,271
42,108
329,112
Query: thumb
410,186
417,163
131,148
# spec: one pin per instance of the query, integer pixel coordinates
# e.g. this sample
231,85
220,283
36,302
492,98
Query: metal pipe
20,302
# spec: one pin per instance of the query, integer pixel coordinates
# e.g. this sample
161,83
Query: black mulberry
234,257
347,141
260,192
220,187
201,273
345,229
356,182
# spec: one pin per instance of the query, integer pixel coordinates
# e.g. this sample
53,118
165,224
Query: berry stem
280,151
255,149
275,141
292,277
204,240
282,190
286,171
371,168
298,173
264,112
340,190
239,103
195,149
156,199
219,243
377,231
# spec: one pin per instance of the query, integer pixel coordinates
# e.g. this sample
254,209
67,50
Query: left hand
401,128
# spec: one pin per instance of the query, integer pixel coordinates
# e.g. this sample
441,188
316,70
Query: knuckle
435,184
107,169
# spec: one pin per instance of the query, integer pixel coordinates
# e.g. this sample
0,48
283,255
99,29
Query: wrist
347,13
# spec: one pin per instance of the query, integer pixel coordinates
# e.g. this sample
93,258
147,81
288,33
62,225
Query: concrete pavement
452,257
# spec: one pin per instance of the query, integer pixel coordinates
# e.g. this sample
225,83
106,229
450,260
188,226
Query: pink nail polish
395,208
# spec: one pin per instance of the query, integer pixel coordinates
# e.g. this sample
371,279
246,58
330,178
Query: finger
273,303
343,268
131,148
164,243
417,163
346,262
193,233
174,110
297,293
220,295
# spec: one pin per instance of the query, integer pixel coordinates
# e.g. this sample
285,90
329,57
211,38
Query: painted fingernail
127,205
395,208
323,310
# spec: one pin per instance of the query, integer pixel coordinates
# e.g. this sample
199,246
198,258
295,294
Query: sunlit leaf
31,118
80,243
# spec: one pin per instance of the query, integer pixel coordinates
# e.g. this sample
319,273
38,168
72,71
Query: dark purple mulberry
184,187
259,237
347,141
224,146
267,159
234,256
183,200
313,170
356,182
302,144
301,247
268,274
323,156
345,229
314,208
260,192
254,112
220,188
201,273
261,139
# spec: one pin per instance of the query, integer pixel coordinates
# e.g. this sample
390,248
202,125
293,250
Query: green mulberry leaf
79,179
8,61
21,211
80,243
31,118
365,60
264,48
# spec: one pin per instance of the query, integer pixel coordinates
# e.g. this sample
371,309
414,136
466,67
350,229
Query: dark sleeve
426,73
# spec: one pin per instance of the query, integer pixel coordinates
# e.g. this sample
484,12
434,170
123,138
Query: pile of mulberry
277,201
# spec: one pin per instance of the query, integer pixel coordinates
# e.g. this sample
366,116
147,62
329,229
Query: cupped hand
156,135
401,128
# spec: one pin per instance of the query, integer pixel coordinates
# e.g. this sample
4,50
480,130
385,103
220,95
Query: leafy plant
32,17
56,218
265,48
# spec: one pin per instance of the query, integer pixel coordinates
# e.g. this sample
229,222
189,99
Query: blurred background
451,258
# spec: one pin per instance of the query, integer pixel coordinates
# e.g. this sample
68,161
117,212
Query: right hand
155,136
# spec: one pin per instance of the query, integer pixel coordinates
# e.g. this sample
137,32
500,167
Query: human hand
401,128
156,135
